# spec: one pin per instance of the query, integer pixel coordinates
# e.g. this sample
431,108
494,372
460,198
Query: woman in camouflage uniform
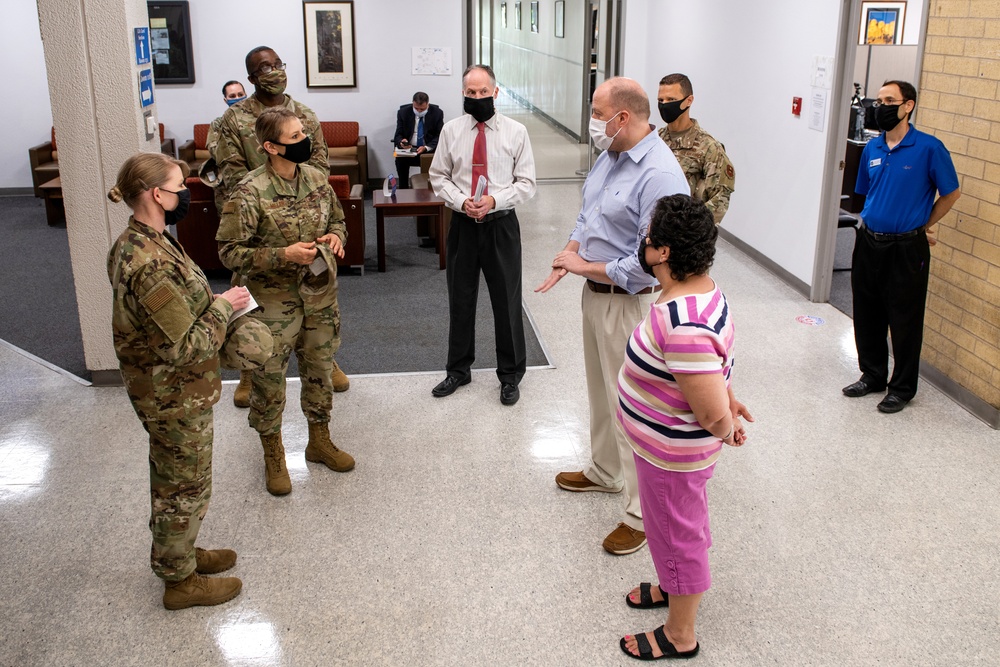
169,330
283,229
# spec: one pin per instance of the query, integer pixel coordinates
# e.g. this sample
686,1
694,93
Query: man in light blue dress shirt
633,173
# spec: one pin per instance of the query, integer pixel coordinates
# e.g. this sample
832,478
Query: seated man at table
418,126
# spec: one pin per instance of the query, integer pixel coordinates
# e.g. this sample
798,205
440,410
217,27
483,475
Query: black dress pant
494,247
403,165
889,284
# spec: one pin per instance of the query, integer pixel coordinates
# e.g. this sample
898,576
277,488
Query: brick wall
957,100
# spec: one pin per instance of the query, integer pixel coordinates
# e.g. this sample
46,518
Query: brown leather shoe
340,380
576,481
624,540
241,397
214,561
199,591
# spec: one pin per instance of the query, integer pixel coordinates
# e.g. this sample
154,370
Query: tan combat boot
340,381
322,450
241,397
199,591
276,474
214,561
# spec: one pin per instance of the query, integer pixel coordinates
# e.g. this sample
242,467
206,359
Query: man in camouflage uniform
281,216
232,93
238,151
703,159
170,335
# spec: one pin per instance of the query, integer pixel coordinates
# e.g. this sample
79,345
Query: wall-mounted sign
142,53
145,88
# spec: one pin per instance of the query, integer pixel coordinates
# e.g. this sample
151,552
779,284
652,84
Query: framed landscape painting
882,22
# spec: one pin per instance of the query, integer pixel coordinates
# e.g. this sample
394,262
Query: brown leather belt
601,288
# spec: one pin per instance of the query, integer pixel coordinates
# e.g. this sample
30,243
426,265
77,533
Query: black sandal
668,650
646,599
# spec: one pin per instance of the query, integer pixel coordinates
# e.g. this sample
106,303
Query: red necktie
479,159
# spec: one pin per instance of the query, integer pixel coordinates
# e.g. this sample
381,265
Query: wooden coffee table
408,203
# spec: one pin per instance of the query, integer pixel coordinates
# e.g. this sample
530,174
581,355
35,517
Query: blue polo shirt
900,184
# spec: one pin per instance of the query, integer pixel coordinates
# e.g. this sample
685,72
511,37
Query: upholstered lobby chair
348,150
194,151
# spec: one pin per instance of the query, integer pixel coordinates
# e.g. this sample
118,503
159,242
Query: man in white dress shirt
483,145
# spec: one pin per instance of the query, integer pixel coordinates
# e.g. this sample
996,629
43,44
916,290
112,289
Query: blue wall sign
145,88
142,52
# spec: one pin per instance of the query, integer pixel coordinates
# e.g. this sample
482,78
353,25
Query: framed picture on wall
330,49
882,22
560,19
503,14
534,17
517,16
170,42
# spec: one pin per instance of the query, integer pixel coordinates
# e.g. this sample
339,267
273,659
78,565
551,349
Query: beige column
94,92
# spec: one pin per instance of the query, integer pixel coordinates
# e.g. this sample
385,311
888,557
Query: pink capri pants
675,516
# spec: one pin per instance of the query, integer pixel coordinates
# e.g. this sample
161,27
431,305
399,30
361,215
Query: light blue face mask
235,100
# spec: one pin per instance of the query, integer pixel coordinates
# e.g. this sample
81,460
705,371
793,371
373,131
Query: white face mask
419,114
598,132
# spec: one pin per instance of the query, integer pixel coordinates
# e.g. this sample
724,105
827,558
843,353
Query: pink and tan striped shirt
690,334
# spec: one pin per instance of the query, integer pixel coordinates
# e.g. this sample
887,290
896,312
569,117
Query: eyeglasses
888,102
267,69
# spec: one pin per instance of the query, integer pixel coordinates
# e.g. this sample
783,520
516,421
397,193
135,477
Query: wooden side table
52,193
408,203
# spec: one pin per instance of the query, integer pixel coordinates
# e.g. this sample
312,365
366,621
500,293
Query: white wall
544,70
746,61
27,116
223,32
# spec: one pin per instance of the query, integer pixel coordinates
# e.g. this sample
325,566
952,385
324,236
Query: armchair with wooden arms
352,200
44,159
195,151
348,150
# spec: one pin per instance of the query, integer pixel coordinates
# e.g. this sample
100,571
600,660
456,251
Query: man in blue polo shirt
900,173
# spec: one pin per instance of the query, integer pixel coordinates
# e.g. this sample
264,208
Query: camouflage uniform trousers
180,480
315,338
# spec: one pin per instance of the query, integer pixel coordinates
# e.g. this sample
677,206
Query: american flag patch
160,297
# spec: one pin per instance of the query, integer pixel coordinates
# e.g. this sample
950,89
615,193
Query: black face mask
298,152
480,108
670,111
183,204
641,254
887,116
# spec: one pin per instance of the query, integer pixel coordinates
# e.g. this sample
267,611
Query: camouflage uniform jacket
706,166
266,214
238,151
168,326
213,137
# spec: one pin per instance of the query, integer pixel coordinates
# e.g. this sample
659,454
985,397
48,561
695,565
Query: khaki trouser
608,321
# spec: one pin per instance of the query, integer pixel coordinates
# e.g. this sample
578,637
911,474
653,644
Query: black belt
880,236
601,288
489,217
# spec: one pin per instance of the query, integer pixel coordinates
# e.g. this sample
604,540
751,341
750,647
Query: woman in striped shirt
676,408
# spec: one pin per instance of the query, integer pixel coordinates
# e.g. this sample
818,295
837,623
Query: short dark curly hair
686,226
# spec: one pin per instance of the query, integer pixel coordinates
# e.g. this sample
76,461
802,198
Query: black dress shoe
448,385
509,393
860,388
891,404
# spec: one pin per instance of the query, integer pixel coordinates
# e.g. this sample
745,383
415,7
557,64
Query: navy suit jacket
406,124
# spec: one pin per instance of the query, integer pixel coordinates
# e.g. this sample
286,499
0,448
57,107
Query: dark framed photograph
882,22
534,17
560,19
330,48
170,42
